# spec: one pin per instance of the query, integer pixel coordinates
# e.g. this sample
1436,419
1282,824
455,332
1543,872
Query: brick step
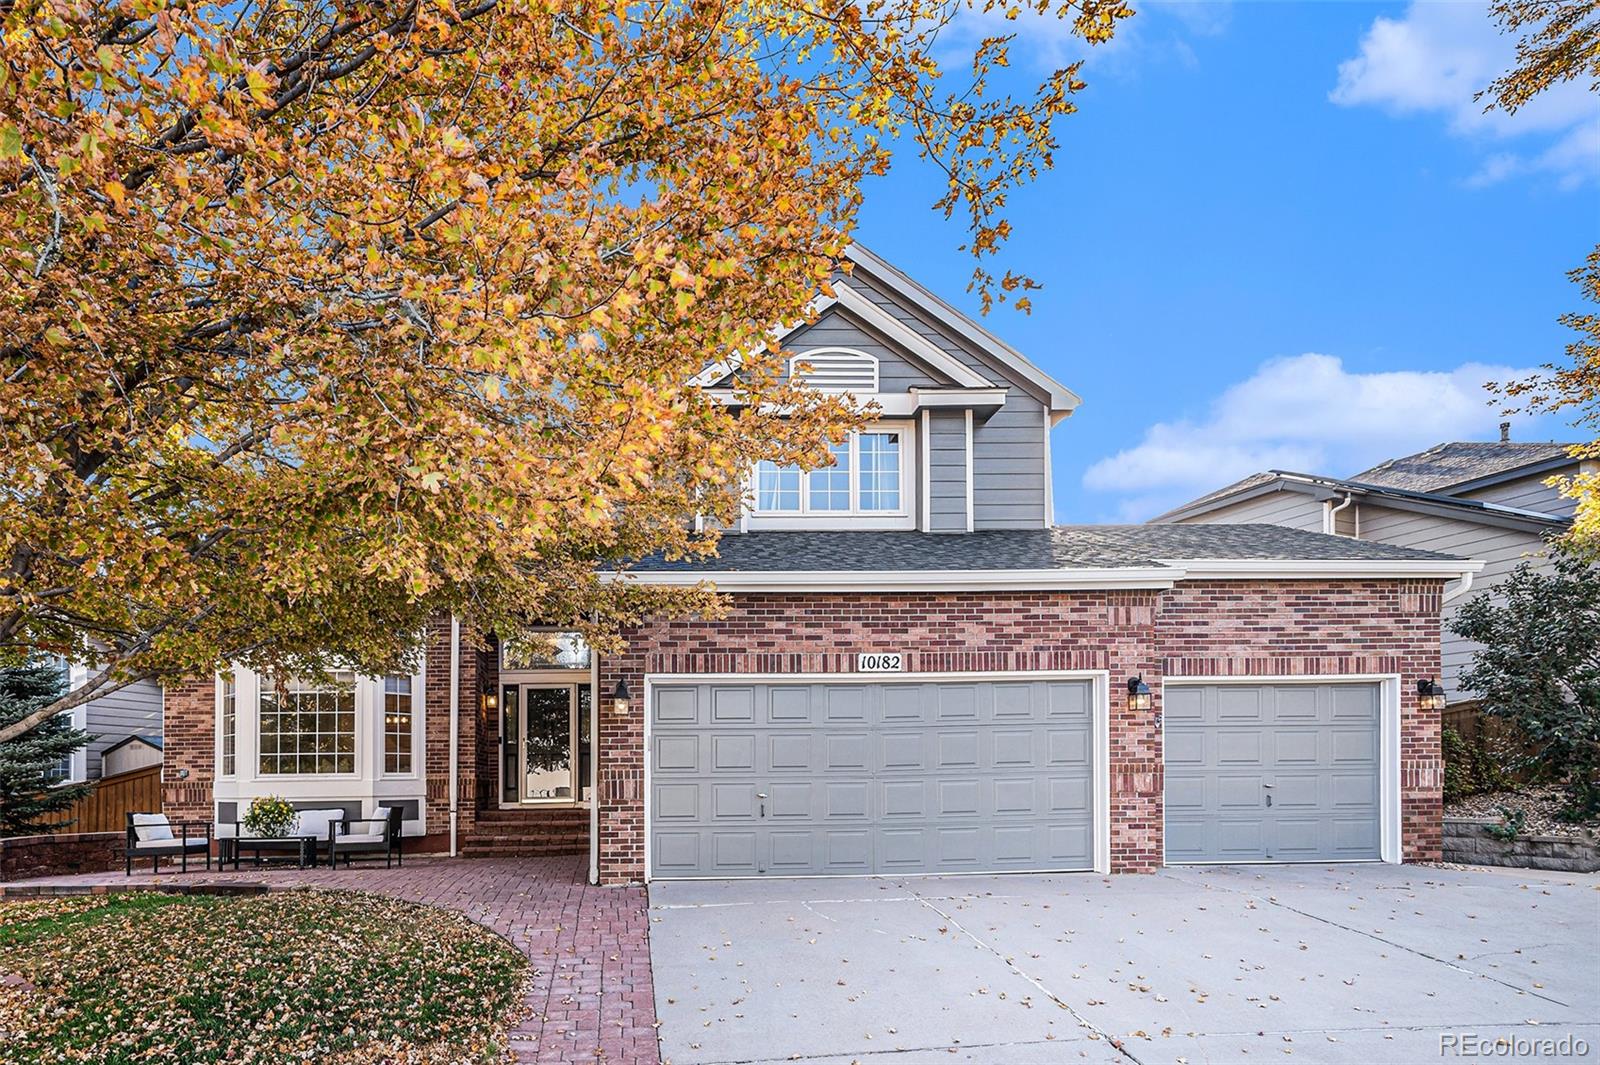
473,850
559,813
524,837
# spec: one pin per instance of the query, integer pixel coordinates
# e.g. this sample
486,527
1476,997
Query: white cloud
1156,34
1305,413
1437,57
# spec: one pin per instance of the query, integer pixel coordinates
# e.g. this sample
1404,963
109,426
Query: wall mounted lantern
490,700
1139,697
620,698
1430,696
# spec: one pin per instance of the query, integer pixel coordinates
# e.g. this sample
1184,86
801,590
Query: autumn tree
1559,41
320,318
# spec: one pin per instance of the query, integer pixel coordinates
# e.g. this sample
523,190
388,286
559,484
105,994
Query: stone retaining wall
1468,842
22,857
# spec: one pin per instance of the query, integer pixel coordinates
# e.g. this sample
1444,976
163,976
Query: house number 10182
880,662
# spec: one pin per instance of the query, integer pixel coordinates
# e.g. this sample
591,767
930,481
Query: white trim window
228,729
399,723
868,482
307,727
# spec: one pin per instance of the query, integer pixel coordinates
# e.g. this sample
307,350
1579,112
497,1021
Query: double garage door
786,779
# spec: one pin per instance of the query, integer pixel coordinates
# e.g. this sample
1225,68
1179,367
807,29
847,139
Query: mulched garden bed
1541,802
314,976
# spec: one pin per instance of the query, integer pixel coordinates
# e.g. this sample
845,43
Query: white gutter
596,708
455,722
1324,569
1165,574
924,580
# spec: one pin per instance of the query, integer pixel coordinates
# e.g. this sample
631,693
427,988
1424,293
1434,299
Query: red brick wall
1232,628
189,752
436,729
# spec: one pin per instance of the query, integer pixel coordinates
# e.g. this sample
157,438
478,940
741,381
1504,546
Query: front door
541,727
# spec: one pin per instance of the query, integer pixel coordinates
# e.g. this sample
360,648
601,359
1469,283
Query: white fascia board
1061,398
911,580
723,367
891,405
908,338
959,397
1320,569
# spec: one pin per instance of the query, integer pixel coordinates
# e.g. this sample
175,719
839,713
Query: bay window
229,727
399,713
308,726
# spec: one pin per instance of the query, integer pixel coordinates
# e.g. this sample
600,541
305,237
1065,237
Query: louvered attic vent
836,370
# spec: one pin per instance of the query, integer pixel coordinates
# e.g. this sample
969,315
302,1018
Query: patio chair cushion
316,822
192,843
362,837
150,828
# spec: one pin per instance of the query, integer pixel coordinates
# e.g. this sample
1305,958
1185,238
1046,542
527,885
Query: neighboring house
111,720
917,671
1482,500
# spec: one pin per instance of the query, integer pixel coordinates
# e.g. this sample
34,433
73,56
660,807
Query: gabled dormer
961,441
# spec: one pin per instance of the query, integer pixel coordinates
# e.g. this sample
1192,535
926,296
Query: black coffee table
302,848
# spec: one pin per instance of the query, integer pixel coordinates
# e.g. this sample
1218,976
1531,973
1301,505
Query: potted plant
270,817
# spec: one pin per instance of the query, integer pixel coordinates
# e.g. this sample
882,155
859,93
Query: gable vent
836,370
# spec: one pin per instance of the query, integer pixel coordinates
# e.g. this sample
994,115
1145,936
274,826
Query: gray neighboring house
126,725
1483,500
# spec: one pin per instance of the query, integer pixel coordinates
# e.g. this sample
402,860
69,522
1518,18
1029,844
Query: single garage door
1272,772
786,779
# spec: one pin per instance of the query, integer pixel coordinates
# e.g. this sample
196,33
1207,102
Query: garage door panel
861,778
789,706
1272,772
733,705
848,751
677,706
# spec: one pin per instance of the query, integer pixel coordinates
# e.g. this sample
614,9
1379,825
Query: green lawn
313,976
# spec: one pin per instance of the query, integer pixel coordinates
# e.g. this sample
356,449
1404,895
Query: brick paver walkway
591,997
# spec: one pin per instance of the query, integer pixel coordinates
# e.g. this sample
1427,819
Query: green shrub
1474,767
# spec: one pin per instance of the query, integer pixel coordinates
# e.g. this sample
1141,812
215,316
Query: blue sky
1278,235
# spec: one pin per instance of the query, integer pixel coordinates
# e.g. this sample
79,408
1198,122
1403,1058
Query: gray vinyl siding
1528,493
1293,510
1501,551
1010,489
834,330
947,471
132,711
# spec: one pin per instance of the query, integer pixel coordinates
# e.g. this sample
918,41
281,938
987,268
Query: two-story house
1488,500
918,672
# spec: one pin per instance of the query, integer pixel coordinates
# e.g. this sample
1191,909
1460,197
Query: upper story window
836,370
868,479
307,726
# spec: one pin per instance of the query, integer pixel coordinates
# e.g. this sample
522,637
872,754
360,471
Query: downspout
455,723
1330,516
596,708
1461,589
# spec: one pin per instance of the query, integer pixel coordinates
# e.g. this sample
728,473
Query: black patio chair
380,835
151,835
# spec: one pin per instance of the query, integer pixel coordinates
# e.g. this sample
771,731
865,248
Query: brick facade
1198,629
1215,628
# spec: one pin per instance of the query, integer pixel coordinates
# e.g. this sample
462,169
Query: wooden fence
105,809
1495,736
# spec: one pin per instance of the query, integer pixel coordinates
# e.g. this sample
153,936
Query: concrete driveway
1353,963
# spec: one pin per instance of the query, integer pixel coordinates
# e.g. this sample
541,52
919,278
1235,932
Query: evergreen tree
30,763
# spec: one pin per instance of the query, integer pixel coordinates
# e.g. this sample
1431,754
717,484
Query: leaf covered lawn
323,976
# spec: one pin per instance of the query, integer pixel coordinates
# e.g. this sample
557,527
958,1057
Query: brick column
437,731
189,731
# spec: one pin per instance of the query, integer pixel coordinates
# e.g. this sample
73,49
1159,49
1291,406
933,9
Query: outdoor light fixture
1430,696
1139,697
490,702
620,697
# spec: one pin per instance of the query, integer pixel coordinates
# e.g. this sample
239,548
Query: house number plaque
880,662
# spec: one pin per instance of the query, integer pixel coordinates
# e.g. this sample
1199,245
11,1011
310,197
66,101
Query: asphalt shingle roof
1063,547
1445,465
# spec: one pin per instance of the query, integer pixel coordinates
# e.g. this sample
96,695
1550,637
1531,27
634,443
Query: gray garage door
1282,773
771,779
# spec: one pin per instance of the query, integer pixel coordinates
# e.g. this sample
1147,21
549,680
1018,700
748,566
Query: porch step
528,832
